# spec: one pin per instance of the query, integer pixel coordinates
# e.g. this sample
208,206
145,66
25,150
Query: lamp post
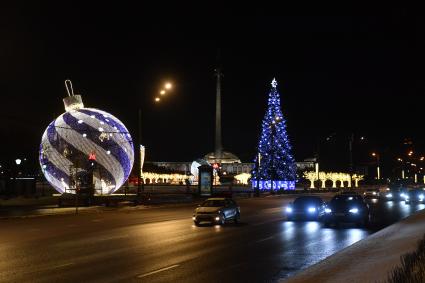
141,185
319,141
257,187
378,172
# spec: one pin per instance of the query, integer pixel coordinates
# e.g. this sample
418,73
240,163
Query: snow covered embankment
369,260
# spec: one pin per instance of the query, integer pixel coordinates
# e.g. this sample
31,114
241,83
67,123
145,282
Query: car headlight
311,209
374,193
328,210
193,217
289,209
389,195
421,197
354,210
402,195
217,218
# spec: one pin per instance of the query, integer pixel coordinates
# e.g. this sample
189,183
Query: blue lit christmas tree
274,160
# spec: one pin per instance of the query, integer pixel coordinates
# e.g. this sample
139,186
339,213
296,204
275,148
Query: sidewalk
371,259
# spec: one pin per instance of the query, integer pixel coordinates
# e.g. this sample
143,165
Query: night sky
336,74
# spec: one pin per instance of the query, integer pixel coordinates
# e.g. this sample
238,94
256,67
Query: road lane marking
62,265
265,239
157,271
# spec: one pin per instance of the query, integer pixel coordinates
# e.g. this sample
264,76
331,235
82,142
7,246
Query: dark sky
343,74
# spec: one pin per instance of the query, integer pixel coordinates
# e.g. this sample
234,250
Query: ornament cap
72,101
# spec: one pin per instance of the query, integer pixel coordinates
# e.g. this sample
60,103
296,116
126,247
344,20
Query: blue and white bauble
86,145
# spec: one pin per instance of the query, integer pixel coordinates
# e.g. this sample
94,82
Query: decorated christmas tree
274,160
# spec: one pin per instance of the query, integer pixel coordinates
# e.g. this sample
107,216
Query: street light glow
168,86
18,161
373,154
162,92
157,99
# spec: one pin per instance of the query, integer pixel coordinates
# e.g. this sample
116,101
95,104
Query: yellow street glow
168,86
157,99
162,92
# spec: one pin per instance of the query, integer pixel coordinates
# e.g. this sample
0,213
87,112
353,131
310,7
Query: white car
217,211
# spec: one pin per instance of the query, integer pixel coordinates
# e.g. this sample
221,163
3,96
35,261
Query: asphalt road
162,244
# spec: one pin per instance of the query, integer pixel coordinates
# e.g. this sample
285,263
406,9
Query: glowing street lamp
18,161
162,92
157,99
168,85
378,172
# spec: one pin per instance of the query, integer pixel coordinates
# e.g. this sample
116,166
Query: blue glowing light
274,160
266,185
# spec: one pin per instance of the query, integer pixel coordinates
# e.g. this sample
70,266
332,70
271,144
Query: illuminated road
162,245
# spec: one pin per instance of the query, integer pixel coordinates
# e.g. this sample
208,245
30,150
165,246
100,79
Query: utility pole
257,187
140,186
350,148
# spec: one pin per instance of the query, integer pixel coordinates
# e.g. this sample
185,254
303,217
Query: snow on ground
371,259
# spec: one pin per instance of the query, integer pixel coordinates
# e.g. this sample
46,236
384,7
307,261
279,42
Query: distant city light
18,161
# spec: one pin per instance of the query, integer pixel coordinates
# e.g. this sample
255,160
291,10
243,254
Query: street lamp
319,140
140,185
378,172
402,167
257,187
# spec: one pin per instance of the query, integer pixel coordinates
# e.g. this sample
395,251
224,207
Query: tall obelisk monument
218,152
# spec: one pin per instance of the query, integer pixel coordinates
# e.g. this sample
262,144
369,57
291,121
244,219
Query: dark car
347,208
395,194
415,196
306,208
371,193
217,211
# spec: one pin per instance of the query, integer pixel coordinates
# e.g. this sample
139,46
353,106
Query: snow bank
368,260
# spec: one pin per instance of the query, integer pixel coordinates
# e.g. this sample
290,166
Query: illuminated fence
342,178
173,178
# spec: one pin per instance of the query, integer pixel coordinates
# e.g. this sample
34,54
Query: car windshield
213,203
306,200
345,198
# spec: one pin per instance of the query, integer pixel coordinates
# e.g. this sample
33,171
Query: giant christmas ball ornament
86,148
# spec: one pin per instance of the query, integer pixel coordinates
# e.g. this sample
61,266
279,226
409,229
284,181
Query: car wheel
237,218
222,219
360,224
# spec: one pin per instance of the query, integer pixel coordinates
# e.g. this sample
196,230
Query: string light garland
277,168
